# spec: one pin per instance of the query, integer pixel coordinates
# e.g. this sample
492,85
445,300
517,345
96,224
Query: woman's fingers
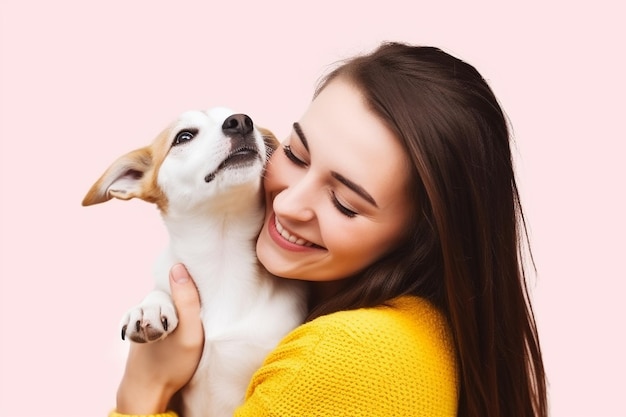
187,301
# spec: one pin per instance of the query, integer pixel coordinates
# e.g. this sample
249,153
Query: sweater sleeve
395,360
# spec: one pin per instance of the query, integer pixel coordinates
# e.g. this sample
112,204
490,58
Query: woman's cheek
272,172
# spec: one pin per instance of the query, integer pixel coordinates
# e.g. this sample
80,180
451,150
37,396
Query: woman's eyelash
292,157
299,162
342,209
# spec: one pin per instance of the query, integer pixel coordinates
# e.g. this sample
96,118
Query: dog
204,173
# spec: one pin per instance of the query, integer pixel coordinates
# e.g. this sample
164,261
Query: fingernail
179,274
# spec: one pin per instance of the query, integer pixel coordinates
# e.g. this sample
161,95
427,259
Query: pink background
83,82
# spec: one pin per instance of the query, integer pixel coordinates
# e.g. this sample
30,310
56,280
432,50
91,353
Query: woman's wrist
168,414
142,399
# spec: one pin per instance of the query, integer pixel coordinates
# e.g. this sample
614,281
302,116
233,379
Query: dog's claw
152,320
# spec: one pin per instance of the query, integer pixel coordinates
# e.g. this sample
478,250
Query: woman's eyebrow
354,187
300,133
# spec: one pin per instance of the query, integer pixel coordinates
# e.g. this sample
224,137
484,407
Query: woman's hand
156,371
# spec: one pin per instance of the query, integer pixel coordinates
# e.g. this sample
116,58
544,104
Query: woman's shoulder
407,333
408,318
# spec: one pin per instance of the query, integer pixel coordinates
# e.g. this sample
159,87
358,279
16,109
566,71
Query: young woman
395,197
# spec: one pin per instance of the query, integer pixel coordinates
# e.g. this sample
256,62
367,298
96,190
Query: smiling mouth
241,157
291,238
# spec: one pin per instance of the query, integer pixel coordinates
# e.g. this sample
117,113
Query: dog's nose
238,124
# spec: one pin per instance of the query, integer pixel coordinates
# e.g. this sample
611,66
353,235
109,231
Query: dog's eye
184,136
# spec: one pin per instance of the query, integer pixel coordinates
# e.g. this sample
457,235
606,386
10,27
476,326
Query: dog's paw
151,320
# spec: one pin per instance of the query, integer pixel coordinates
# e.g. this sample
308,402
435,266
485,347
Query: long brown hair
464,248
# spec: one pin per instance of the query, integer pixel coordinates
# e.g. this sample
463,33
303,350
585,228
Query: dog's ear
123,179
271,143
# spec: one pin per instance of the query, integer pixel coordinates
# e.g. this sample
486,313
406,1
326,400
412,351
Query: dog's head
201,157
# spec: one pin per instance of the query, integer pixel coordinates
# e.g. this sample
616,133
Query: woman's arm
392,360
156,371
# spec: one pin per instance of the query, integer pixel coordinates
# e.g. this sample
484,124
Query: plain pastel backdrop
83,82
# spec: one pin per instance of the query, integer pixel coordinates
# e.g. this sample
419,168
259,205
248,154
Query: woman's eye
184,136
292,157
342,209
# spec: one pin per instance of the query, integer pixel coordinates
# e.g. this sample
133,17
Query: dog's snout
238,124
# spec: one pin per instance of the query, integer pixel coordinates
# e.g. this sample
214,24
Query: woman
395,197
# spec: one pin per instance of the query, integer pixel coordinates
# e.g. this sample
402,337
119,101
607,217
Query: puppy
204,174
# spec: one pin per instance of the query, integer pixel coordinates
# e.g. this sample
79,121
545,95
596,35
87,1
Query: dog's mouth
241,157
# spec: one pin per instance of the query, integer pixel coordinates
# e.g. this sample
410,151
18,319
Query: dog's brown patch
133,175
271,143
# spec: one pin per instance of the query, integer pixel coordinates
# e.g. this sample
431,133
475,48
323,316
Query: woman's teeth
293,239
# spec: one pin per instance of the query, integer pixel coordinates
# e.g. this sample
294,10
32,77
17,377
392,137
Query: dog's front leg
151,320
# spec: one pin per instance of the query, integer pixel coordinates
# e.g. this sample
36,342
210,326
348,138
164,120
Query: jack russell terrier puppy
204,173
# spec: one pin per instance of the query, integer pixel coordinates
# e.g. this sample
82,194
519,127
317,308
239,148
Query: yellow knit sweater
385,361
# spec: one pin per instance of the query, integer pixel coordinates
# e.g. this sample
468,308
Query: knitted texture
397,360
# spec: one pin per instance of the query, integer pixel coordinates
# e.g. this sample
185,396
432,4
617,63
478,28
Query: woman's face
336,193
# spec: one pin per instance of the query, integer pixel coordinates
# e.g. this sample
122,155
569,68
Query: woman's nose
296,200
